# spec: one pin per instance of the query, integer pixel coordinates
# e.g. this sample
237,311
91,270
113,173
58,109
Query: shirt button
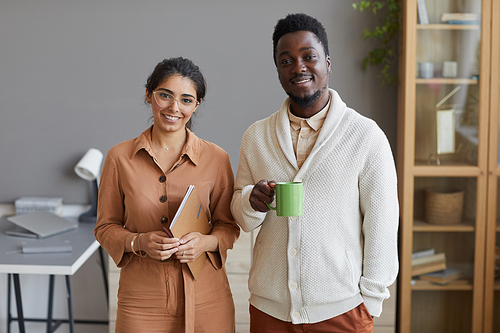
164,220
294,285
163,199
162,179
293,252
296,314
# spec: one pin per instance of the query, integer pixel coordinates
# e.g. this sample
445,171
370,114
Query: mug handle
270,207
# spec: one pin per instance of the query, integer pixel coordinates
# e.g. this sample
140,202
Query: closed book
191,217
428,259
428,268
464,22
26,205
38,202
51,248
428,264
442,277
459,16
423,18
424,253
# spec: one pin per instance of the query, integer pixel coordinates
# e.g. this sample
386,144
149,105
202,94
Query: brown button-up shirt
136,196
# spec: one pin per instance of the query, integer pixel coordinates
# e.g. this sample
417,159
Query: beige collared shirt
305,132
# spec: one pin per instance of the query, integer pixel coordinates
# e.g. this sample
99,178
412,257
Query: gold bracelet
132,244
143,254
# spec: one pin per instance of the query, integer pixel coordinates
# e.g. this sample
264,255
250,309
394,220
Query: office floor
237,266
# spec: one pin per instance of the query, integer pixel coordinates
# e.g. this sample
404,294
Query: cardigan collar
336,111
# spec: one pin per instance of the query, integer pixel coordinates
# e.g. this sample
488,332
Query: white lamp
89,168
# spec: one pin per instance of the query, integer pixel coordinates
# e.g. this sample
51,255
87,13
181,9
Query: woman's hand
158,245
195,244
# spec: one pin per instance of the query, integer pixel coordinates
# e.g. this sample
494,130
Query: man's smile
301,79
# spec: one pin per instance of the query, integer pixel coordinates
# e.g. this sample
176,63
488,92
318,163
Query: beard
306,101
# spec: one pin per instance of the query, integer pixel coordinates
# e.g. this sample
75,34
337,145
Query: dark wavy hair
178,66
299,22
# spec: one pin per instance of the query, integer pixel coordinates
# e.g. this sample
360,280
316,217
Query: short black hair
299,22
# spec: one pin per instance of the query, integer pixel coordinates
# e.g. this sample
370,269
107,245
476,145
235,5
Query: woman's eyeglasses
164,100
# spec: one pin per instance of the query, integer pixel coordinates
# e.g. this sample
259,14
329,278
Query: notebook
190,217
39,224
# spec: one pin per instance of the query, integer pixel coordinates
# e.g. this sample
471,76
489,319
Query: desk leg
9,315
51,303
70,308
19,303
104,274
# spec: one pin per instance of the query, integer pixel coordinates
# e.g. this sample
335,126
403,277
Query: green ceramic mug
289,199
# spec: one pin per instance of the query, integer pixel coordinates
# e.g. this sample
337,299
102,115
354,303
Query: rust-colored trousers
358,320
152,298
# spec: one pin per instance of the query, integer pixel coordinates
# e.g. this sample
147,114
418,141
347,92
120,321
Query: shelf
497,284
464,226
422,169
440,80
448,26
463,284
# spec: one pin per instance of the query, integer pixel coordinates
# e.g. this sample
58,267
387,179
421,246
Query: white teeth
302,81
170,117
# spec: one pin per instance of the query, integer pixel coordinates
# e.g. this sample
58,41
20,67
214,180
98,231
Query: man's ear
329,64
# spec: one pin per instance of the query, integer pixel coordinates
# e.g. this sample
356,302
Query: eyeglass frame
174,99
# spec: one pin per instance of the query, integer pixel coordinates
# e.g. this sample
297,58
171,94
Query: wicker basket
444,207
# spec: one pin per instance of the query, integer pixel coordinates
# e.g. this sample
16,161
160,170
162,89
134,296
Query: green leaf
383,56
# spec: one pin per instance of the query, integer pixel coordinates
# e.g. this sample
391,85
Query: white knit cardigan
343,250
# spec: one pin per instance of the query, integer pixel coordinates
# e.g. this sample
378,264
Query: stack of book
427,262
31,204
460,18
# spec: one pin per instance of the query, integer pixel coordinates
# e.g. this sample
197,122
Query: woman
142,184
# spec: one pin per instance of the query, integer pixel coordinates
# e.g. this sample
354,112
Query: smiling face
303,71
171,119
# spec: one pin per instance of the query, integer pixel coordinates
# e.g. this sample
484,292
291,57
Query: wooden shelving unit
472,303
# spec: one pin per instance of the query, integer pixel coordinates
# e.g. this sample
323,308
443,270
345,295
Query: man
328,270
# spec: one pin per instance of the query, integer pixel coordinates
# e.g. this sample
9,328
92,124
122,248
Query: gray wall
72,77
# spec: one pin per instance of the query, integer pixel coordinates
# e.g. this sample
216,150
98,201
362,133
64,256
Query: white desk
13,262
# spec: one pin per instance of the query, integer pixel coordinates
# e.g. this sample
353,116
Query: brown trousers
357,320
